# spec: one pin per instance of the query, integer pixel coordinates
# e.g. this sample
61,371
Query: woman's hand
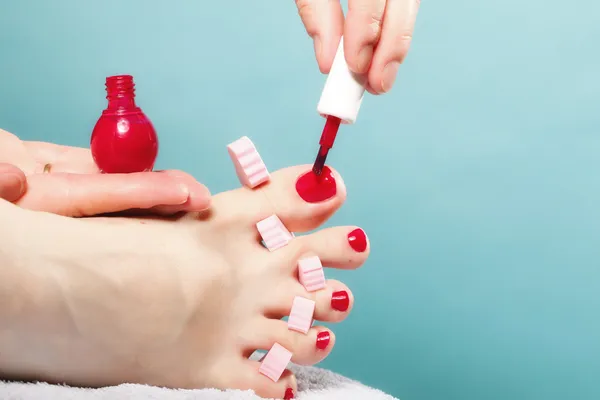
65,180
377,35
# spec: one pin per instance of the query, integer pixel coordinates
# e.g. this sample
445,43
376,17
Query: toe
332,304
249,378
301,201
307,349
342,247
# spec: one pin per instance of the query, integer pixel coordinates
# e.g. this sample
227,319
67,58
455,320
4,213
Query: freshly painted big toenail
358,240
340,300
313,188
249,166
289,394
275,362
323,339
274,233
301,316
310,273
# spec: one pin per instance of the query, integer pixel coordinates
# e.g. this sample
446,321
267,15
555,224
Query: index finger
79,195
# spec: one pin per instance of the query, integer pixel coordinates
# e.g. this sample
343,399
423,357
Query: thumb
324,23
12,182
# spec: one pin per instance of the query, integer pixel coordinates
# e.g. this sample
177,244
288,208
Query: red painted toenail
358,240
289,394
313,188
323,340
340,300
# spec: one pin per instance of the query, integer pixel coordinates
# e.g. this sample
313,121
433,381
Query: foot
185,303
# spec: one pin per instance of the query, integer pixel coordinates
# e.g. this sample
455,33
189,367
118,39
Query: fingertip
360,60
13,182
383,74
369,89
200,198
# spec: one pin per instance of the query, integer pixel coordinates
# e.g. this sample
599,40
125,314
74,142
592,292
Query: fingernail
184,191
314,189
364,59
22,186
389,75
289,394
323,340
358,240
318,46
340,300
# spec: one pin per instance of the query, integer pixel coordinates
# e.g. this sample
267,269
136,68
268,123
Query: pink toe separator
249,166
310,273
274,233
301,316
275,362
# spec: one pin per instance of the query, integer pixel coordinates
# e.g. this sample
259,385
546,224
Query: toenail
301,316
249,166
275,362
289,394
358,240
310,273
274,233
313,188
340,300
323,340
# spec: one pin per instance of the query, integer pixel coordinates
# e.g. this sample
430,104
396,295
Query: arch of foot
252,173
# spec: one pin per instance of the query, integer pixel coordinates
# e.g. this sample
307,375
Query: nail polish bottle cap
343,91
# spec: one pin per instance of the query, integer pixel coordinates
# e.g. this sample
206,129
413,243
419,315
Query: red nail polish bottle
123,140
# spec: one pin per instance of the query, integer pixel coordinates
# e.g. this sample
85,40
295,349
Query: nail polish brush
340,102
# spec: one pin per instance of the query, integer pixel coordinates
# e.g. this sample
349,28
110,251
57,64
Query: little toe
301,200
249,378
306,349
332,304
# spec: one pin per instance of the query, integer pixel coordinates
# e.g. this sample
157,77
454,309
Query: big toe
301,200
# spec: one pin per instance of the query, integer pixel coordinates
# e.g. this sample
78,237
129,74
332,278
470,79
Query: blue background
476,178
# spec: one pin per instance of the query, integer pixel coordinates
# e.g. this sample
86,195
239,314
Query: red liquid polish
123,140
323,339
340,301
315,188
358,240
289,394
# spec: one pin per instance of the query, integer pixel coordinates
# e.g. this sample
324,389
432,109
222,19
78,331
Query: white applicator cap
343,91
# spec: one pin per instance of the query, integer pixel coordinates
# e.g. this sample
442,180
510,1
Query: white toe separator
274,233
275,362
301,316
310,273
249,166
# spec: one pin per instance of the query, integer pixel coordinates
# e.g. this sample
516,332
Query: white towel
313,384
